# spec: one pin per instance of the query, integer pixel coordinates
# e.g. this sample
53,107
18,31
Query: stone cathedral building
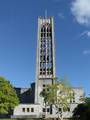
31,104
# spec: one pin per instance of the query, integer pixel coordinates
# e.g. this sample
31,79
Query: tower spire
46,13
45,65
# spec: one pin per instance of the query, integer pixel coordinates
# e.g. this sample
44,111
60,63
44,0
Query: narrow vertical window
48,110
28,110
32,109
44,110
23,109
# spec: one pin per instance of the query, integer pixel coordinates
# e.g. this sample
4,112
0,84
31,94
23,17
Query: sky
18,40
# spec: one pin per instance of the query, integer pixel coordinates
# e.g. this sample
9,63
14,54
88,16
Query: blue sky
18,36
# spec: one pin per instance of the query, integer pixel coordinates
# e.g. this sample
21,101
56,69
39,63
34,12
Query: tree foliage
8,97
82,111
58,94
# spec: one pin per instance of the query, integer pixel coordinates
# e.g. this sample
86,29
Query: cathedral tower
45,64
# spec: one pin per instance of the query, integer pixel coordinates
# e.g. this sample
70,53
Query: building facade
45,74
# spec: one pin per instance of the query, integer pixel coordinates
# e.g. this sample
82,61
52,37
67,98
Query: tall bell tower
45,62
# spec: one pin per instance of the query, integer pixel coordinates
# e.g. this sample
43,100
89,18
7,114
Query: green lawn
16,119
7,119
12,119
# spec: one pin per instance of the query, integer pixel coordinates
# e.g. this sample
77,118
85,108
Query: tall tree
58,95
8,97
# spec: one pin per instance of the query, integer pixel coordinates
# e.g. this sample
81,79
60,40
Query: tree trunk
51,109
45,110
62,113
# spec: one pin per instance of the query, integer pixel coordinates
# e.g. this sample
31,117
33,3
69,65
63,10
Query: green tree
8,97
82,111
58,95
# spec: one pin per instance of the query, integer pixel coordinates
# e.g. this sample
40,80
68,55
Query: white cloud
60,15
86,52
81,10
88,33
85,33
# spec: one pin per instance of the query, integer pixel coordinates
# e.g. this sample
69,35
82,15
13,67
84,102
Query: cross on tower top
46,13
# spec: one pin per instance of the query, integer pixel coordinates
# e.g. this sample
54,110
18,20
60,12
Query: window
47,73
72,100
43,90
59,109
44,110
40,73
42,29
48,110
27,109
47,69
32,109
43,85
44,34
47,89
68,109
43,72
23,109
41,34
65,109
40,69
